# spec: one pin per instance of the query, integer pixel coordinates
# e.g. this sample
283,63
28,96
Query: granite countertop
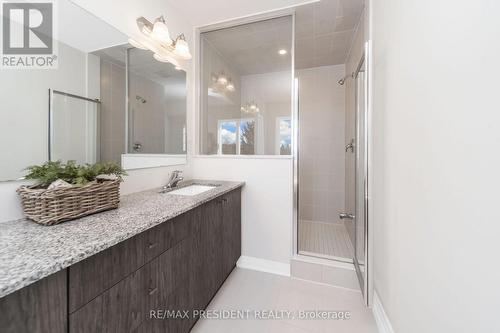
30,252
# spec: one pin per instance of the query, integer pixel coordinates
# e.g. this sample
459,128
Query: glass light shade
160,33
230,86
136,44
182,49
146,30
222,80
165,58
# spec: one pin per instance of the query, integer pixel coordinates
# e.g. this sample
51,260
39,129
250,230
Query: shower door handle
350,146
346,216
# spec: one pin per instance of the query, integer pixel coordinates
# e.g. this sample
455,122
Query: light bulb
160,31
230,86
136,44
222,80
282,52
182,48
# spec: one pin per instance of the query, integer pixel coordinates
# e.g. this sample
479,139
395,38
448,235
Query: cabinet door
37,308
92,276
231,230
170,276
211,231
120,309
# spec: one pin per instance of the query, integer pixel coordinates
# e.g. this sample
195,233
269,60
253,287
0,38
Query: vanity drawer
92,276
159,284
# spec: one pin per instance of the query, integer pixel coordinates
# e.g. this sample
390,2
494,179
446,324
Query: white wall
26,142
436,164
266,200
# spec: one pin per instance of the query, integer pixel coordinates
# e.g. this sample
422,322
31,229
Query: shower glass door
361,170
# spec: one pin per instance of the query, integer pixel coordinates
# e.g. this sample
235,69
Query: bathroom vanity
121,270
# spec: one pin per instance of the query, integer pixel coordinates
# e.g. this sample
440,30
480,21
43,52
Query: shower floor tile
327,240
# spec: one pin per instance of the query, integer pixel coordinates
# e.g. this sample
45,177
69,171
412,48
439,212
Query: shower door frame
365,283
363,65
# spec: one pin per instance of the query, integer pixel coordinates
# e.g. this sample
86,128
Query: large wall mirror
104,101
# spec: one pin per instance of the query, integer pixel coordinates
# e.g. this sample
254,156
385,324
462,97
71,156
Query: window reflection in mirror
245,95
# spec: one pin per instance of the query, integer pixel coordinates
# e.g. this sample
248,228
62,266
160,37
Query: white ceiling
84,31
204,12
324,33
253,48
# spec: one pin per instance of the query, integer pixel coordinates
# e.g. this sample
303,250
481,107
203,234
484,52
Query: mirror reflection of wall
24,115
246,82
157,105
78,110
113,101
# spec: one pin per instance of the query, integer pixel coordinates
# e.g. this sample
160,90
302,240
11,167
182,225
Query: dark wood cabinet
178,265
38,308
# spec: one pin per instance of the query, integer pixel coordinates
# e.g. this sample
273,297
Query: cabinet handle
151,291
152,245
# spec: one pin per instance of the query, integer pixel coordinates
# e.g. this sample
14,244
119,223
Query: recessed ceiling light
282,52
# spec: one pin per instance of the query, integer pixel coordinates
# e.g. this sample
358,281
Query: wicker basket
49,207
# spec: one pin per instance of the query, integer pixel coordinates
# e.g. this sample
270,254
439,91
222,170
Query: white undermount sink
192,190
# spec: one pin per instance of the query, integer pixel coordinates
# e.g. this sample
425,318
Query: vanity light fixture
160,31
251,107
230,85
222,79
166,58
221,83
136,44
181,48
156,38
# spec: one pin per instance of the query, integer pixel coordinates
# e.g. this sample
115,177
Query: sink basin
192,190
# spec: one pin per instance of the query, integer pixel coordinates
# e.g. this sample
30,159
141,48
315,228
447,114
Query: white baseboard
264,265
383,323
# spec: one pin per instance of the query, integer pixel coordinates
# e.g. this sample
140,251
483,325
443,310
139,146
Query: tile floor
329,240
252,290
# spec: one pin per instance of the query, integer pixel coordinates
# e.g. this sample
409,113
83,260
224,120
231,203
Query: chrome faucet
175,178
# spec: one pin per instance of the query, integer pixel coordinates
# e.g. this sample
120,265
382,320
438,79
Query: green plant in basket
72,173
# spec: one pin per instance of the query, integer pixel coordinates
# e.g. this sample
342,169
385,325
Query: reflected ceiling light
282,52
251,107
136,44
222,83
222,79
157,39
230,85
